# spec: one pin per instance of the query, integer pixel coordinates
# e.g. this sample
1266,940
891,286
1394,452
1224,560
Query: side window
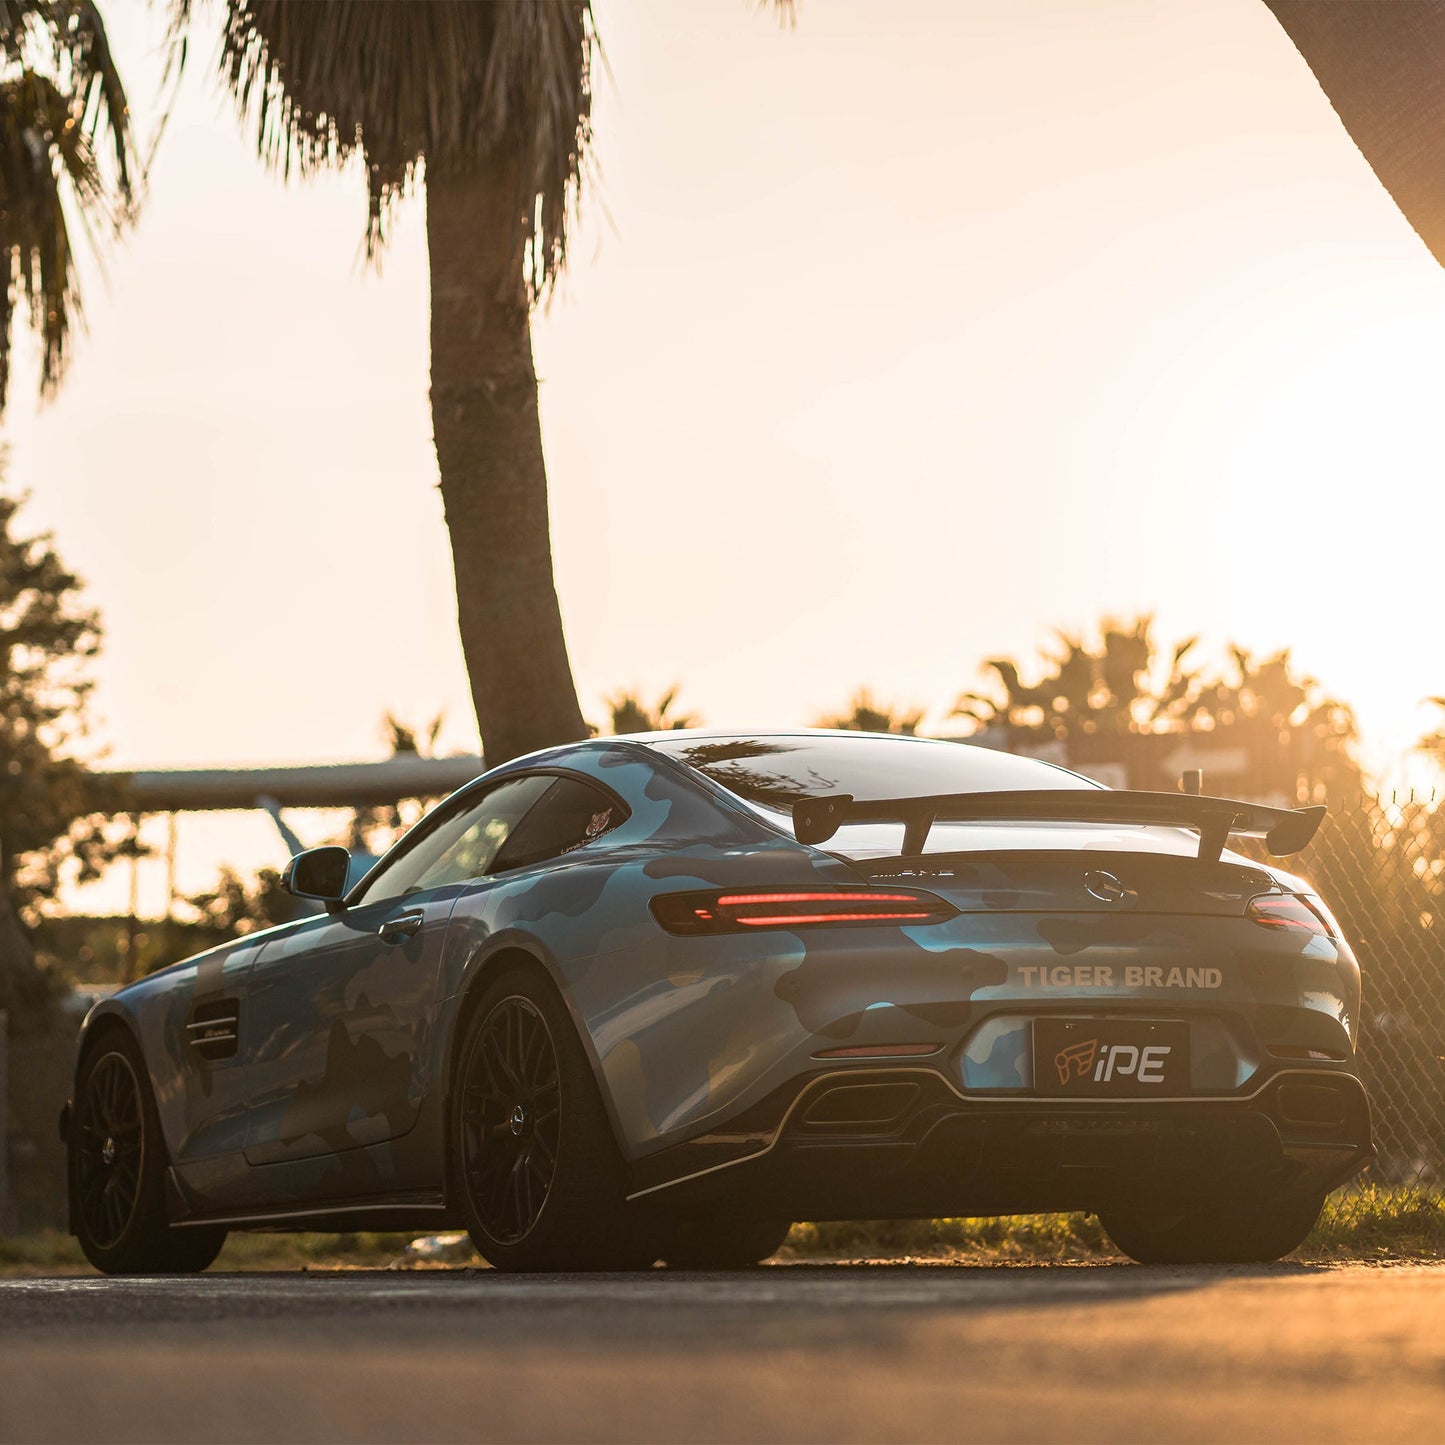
462,847
570,814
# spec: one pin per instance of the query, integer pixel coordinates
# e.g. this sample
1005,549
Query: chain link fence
1378,864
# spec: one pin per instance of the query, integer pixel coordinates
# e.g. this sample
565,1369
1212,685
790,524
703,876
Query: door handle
404,925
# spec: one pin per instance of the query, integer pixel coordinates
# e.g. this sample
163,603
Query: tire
725,1243
535,1168
117,1170
1232,1231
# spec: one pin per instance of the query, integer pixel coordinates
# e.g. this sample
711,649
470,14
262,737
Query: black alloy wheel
511,1119
109,1150
533,1162
117,1167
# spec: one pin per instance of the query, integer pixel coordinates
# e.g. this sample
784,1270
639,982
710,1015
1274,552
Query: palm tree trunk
1382,65
493,477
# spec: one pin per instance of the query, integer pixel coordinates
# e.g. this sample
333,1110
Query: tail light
738,910
1293,913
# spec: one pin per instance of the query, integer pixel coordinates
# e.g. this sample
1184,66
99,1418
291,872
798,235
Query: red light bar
737,900
787,920
707,912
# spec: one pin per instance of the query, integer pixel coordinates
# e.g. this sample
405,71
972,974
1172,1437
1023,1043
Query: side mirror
318,873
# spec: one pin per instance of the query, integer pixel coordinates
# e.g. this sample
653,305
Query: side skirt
422,1211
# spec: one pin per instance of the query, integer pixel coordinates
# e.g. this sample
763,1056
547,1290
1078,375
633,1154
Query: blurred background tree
1139,715
1115,686
374,830
235,906
52,810
629,713
66,155
867,715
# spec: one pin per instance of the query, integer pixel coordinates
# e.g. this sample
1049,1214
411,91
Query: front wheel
1230,1231
534,1163
117,1171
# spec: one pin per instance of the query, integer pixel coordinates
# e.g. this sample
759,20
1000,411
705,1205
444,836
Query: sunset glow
1109,278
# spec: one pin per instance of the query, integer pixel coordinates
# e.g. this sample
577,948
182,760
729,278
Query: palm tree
1113,688
1382,65
632,714
494,101
1123,701
867,715
66,156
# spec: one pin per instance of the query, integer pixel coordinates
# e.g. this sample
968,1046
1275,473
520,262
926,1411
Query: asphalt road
815,1353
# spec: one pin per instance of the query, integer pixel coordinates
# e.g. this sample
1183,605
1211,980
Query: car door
339,1011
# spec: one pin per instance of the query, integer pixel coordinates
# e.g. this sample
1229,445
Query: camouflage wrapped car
656,997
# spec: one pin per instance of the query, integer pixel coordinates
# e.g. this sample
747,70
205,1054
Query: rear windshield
775,771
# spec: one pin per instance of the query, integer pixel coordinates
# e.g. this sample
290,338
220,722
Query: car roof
683,734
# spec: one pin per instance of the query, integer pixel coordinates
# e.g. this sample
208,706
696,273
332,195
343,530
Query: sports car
656,997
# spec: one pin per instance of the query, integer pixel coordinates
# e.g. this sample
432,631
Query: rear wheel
725,1243
536,1169
117,1170
1239,1230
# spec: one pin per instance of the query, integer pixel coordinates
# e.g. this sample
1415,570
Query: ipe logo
1111,1061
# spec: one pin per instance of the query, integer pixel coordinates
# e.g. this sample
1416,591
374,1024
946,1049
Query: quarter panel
586,917
677,1030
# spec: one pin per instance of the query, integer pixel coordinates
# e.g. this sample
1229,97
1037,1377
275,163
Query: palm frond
34,233
62,105
96,80
67,40
450,83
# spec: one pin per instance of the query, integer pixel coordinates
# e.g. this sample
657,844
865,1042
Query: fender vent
215,1028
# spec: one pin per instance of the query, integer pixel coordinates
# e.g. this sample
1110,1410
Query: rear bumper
902,1142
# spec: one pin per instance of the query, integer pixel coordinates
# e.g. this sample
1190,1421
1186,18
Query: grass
1376,1223
1012,1238
46,1251
1379,1221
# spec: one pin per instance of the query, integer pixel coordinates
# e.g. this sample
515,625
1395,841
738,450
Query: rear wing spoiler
1284,830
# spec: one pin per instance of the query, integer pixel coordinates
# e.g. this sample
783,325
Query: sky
892,341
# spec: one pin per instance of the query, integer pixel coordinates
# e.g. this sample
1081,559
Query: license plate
1103,1058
